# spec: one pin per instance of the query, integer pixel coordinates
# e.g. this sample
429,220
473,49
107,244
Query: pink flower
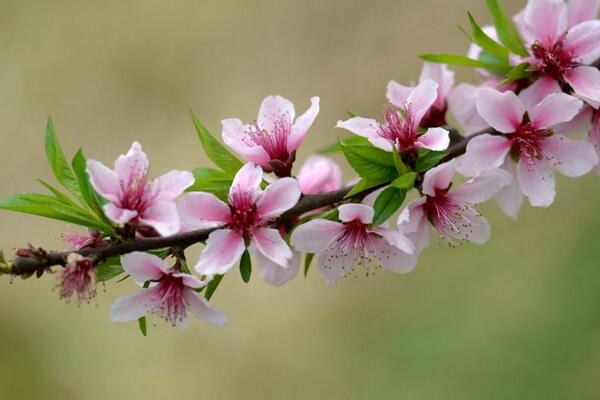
133,198
451,210
342,247
170,294
78,278
243,221
319,174
399,129
564,41
397,94
527,133
78,241
594,137
272,140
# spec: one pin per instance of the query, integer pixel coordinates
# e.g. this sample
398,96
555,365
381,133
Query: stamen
274,142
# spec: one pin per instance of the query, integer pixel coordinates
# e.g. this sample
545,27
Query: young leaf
56,158
387,203
142,325
507,32
428,159
453,59
486,43
212,286
90,197
521,71
400,166
365,184
212,181
217,153
108,270
307,261
246,266
406,181
337,147
370,162
57,193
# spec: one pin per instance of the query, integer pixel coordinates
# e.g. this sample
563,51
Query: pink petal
392,258
584,40
278,197
462,104
502,111
397,94
190,280
478,230
202,310
585,81
351,212
414,225
438,178
395,238
554,109
542,87
223,249
546,19
272,110
134,306
234,135
163,217
270,243
104,181
579,124
172,184
203,210
247,179
571,157
443,76
272,273
144,266
334,265
319,174
510,198
536,181
421,98
483,187
132,166
364,127
437,139
483,152
119,215
302,125
314,236
582,10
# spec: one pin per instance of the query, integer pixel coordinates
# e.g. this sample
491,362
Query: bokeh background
516,318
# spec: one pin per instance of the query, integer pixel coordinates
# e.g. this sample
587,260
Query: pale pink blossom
77,277
319,174
342,248
564,42
272,140
594,137
435,116
450,209
79,241
243,223
526,132
135,199
399,130
170,295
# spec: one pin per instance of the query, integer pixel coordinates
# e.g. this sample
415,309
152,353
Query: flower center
244,213
138,194
274,142
398,128
454,220
526,140
171,304
553,59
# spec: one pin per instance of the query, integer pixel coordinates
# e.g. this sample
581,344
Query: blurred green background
517,318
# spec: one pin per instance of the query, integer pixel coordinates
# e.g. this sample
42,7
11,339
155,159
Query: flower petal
334,264
546,19
397,94
542,87
414,225
585,81
579,124
421,98
536,181
133,166
364,127
437,139
510,198
554,109
163,217
584,41
234,135
502,111
395,238
201,309
351,212
272,110
132,307
247,179
319,174
483,152
144,266
443,76
392,258
104,180
462,103
302,125
190,280
438,178
119,215
278,197
483,187
571,157
172,184
202,210
270,243
272,273
314,236
224,248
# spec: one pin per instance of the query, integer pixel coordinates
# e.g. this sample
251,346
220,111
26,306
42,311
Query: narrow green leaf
453,59
246,266
337,147
370,162
90,197
521,71
405,182
217,153
493,65
142,326
212,286
387,203
58,163
399,164
365,184
109,269
507,32
487,43
428,159
211,181
57,193
307,261
351,114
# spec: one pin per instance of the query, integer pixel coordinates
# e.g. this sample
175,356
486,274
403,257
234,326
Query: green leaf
212,181
90,197
493,65
212,286
521,71
365,184
507,32
246,266
56,158
370,162
486,43
142,326
109,269
337,147
215,151
453,59
405,182
57,193
428,159
307,261
50,207
387,204
351,114
401,168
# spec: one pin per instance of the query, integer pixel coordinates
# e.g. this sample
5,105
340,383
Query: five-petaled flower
355,242
169,295
243,222
271,141
77,277
135,199
399,130
451,210
526,132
